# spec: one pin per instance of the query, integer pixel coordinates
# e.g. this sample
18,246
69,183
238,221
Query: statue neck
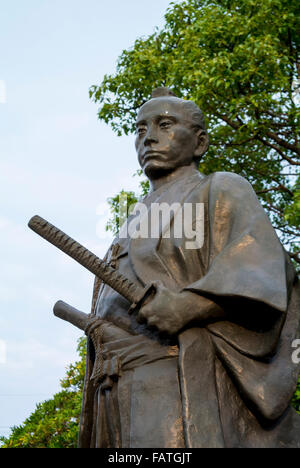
179,173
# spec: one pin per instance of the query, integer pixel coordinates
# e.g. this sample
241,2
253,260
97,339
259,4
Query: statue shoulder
232,185
232,188
229,180
220,183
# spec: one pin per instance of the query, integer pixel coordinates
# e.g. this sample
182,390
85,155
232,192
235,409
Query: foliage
296,398
75,372
120,206
54,423
238,60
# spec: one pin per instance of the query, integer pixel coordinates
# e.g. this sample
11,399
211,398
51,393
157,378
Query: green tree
54,423
239,61
123,202
296,398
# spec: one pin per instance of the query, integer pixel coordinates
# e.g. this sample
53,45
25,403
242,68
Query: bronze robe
230,381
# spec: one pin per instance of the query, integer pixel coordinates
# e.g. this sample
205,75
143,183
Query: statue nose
151,137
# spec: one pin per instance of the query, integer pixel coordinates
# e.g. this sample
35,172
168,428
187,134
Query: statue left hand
170,311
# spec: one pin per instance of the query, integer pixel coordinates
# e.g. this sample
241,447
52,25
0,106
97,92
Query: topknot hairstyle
161,91
194,111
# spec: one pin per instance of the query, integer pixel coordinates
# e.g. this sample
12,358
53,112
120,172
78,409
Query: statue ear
203,143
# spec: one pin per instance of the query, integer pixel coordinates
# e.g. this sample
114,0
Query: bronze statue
203,356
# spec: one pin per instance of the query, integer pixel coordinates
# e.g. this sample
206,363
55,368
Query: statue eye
141,130
165,124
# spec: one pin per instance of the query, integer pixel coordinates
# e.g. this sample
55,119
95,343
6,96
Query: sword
134,293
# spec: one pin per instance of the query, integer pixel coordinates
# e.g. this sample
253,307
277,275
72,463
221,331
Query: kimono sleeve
246,257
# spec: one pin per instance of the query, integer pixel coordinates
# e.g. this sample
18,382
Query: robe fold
223,383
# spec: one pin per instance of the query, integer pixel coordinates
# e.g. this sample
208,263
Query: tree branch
295,256
272,135
276,189
283,143
274,147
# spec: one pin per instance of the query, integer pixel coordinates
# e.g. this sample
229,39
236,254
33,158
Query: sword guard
148,294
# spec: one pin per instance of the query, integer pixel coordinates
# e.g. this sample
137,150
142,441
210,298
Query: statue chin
155,170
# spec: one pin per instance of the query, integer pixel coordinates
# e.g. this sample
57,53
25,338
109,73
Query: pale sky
56,160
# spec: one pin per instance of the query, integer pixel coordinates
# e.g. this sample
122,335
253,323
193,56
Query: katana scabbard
68,313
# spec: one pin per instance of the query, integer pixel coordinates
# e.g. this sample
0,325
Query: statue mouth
153,155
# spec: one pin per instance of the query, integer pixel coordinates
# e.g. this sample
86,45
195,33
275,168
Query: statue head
170,133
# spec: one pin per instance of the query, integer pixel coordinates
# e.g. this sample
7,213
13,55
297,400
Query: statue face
165,138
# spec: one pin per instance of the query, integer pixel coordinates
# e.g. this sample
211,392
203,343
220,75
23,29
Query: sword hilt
134,293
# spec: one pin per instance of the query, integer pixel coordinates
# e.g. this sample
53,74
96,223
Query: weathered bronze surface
208,361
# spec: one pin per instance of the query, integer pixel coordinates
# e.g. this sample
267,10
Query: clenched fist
170,311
